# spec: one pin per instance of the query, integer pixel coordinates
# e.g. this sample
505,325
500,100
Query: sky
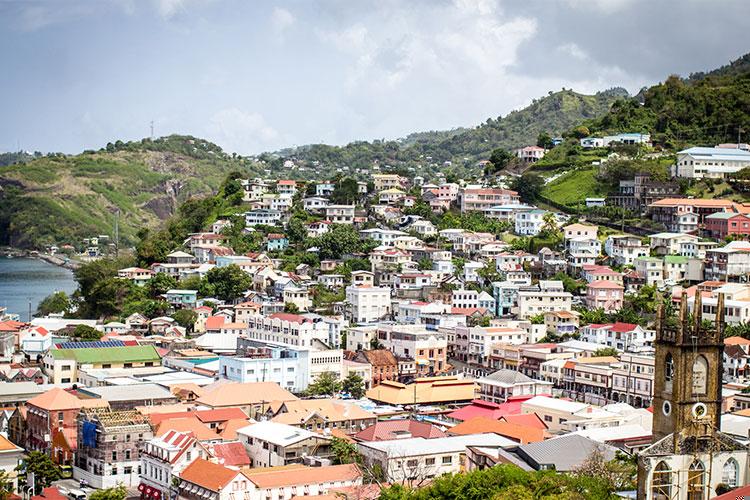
256,76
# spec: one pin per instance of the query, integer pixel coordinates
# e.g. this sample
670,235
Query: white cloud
281,19
236,130
169,8
604,6
572,49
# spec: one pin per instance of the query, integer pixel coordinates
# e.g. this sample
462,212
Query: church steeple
688,370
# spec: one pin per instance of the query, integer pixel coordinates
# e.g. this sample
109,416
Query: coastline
56,260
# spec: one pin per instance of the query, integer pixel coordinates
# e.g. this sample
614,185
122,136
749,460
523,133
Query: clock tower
687,372
689,458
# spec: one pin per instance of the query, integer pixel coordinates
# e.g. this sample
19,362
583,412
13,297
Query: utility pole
117,232
152,130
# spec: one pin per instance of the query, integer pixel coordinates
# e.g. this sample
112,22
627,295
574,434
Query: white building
621,336
163,458
262,216
340,214
420,459
368,304
288,329
549,296
624,249
717,163
502,384
529,223
271,444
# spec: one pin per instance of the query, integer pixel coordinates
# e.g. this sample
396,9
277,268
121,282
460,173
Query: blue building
276,242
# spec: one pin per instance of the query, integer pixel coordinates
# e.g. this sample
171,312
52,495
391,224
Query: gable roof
189,425
482,425
565,452
55,400
291,476
232,454
387,429
239,394
209,475
300,410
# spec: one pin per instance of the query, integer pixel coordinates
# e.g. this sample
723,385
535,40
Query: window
661,482
412,463
447,460
730,473
696,481
548,418
60,416
700,373
429,461
668,372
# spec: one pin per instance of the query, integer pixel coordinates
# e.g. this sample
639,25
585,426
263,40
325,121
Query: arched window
661,482
696,481
668,372
730,473
700,375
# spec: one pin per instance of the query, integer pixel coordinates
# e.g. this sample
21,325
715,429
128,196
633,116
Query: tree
342,239
327,384
580,132
606,351
6,485
499,159
344,452
345,192
537,319
186,318
229,282
56,303
160,283
119,492
529,186
291,307
85,333
424,264
543,140
354,386
619,473
550,227
44,469
375,344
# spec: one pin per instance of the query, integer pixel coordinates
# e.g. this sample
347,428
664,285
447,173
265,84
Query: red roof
215,322
205,416
615,327
468,311
293,318
481,408
525,419
232,454
736,494
287,183
51,493
605,284
382,431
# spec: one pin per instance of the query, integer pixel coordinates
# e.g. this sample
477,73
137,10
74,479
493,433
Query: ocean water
24,281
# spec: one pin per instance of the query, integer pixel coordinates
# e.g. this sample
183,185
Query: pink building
482,199
530,153
606,295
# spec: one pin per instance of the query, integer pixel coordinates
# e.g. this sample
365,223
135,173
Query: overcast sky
255,76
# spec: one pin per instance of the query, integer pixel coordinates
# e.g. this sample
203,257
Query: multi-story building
262,216
651,269
621,336
530,223
736,303
730,263
340,214
670,243
420,459
633,379
605,295
384,365
292,369
109,446
387,181
428,348
48,414
285,328
686,215
715,163
478,199
368,304
474,345
530,154
271,444
642,191
61,365
582,251
545,297
163,459
723,224
502,384
624,249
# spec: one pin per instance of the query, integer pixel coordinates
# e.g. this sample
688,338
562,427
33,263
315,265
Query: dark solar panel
92,344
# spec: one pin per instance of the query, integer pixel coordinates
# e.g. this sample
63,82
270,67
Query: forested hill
554,114
57,199
704,110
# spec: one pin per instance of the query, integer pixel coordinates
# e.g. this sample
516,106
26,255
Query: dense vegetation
554,114
58,199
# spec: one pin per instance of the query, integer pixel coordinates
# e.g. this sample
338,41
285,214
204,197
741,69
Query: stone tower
687,372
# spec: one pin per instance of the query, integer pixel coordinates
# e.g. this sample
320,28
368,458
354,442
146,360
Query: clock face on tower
699,410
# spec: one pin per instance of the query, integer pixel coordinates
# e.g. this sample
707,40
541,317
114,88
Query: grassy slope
64,199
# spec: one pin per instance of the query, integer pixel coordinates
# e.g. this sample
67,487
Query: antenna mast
152,129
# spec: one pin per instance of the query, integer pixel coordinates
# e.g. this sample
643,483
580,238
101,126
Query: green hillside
554,114
63,199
